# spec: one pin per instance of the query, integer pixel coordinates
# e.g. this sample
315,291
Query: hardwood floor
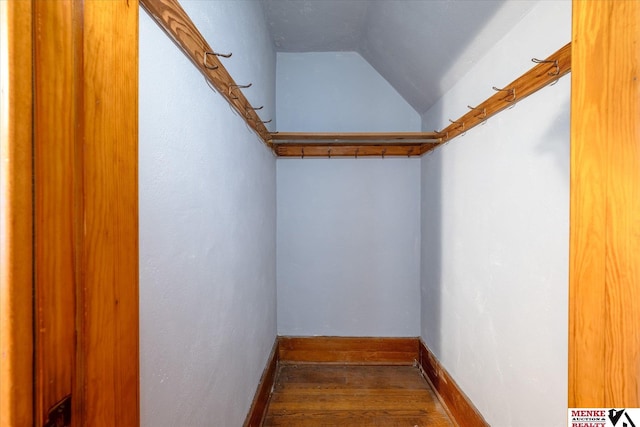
339,395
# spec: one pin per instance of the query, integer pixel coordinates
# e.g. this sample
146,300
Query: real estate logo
603,417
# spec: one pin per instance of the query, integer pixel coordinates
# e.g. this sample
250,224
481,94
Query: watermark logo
603,417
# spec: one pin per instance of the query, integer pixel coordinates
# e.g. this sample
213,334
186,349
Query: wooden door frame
104,71
604,271
593,233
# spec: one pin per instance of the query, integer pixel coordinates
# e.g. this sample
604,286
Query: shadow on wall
549,144
431,248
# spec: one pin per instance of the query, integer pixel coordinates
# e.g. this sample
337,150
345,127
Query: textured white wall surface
495,226
348,230
349,247
207,225
337,92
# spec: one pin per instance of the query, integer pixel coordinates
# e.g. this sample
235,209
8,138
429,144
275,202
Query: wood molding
263,392
177,24
16,219
354,150
537,78
348,350
604,266
110,336
459,405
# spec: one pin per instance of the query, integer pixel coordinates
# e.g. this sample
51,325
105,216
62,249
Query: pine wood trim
16,219
177,24
348,350
263,392
604,266
109,310
535,79
347,150
457,403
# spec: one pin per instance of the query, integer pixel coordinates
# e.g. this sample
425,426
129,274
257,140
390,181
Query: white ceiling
421,47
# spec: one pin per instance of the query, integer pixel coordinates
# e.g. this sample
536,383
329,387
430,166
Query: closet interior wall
348,229
495,229
207,224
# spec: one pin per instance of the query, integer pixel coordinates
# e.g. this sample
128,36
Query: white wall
337,92
207,225
495,226
348,229
349,247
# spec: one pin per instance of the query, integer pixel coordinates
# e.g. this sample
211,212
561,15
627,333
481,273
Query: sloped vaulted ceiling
421,47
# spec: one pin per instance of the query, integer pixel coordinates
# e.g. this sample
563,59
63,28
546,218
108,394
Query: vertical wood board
604,323
110,201
54,205
16,214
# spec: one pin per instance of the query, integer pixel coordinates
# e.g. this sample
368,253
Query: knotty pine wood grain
55,212
535,79
455,400
347,395
344,350
175,22
110,200
604,319
16,255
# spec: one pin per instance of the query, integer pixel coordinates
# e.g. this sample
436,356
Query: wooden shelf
360,138
364,144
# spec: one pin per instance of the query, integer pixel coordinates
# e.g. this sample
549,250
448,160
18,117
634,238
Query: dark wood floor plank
332,395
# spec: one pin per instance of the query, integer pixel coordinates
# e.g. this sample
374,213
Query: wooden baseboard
457,403
263,392
348,350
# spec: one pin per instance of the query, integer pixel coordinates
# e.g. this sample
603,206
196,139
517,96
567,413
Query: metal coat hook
512,91
265,122
254,108
482,115
233,87
206,56
460,124
302,153
440,133
357,149
329,152
384,150
548,61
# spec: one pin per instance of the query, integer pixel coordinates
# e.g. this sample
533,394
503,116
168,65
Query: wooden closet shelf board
347,150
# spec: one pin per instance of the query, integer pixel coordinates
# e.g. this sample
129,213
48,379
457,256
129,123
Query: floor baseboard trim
263,392
348,350
452,397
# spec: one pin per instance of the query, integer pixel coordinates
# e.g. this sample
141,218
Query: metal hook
357,149
483,113
461,124
254,108
548,61
410,152
233,87
224,55
440,133
302,150
204,61
512,91
268,121
384,150
329,152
